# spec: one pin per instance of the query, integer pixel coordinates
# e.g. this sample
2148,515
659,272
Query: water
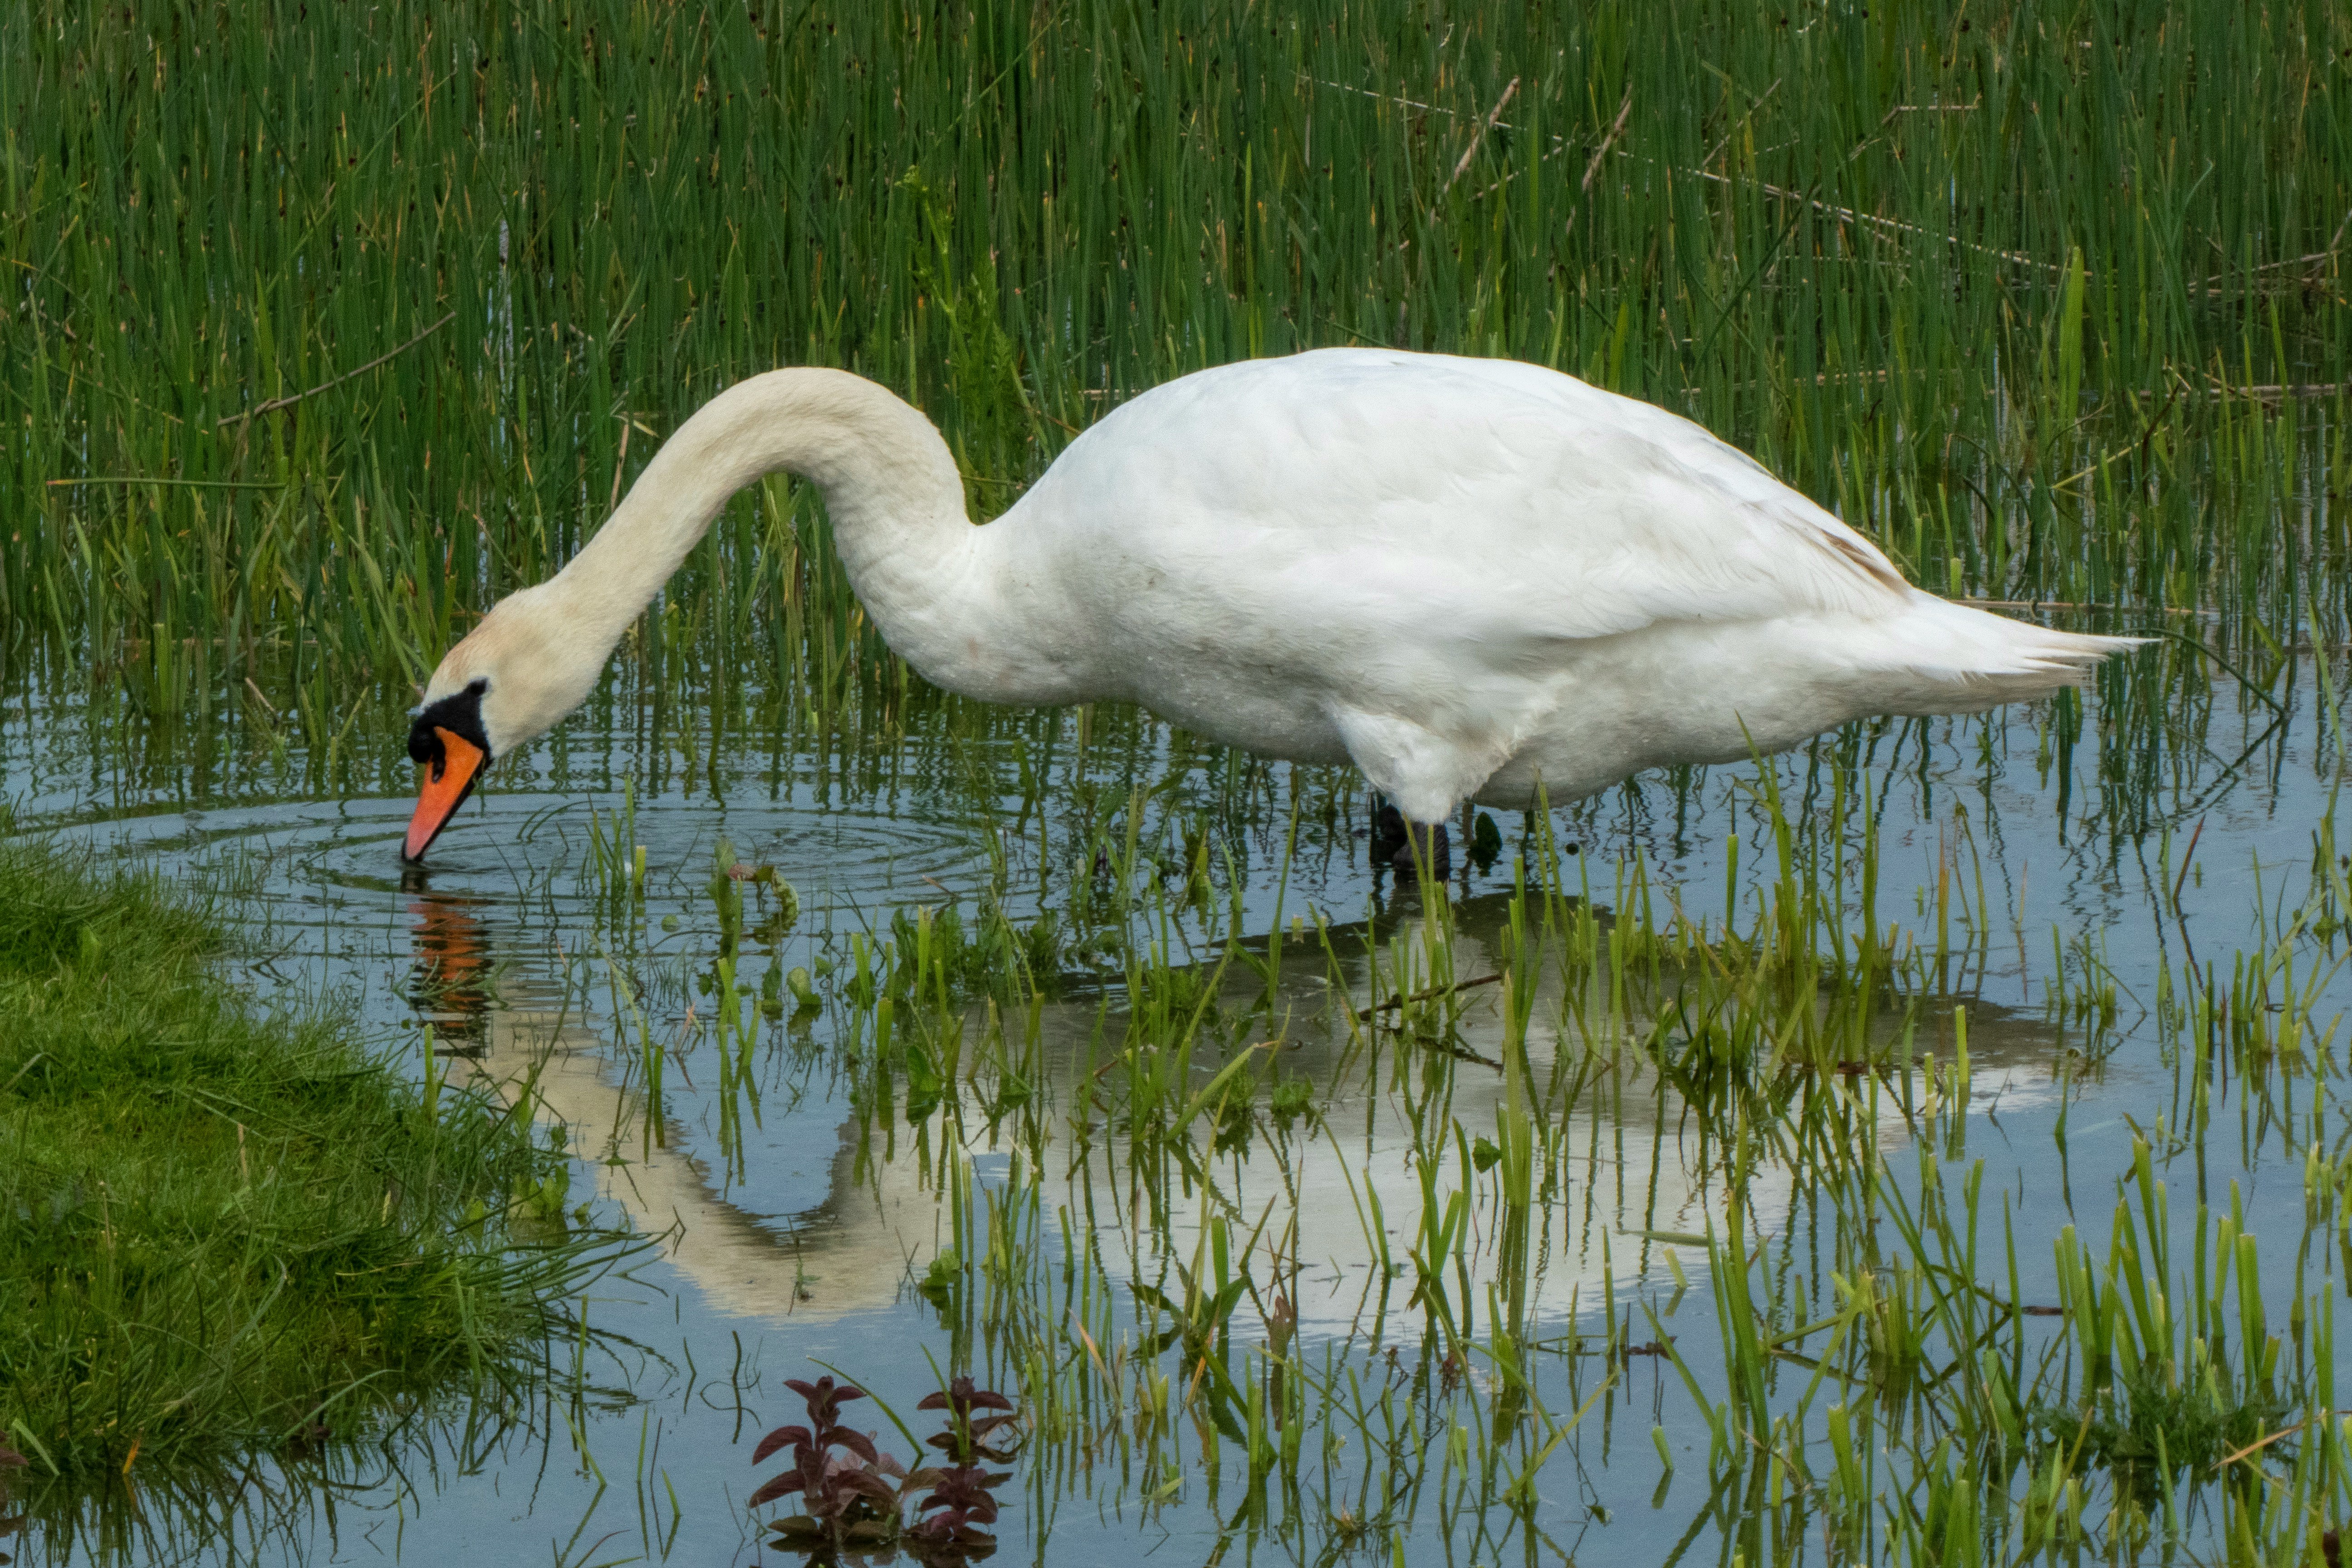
795,1219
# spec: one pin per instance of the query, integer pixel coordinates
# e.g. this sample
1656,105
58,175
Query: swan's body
1469,577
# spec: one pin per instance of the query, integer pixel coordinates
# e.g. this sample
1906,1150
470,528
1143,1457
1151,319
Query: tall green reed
326,327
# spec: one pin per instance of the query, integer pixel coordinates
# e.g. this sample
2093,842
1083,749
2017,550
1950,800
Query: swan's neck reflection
517,1032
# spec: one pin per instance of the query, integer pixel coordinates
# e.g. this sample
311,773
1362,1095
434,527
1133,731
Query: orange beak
443,789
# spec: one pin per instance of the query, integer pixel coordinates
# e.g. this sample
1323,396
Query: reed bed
327,326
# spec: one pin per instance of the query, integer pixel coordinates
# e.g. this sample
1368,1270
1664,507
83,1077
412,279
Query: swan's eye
460,713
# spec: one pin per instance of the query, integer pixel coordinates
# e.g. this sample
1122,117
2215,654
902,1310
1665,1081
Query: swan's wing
1505,504
1451,569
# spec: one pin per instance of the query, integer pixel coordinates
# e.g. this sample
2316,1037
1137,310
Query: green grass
2048,298
222,1228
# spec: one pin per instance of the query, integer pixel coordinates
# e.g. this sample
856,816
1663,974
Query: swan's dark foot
1436,855
1486,844
1392,844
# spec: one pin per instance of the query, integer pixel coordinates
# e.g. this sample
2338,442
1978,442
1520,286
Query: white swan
1464,575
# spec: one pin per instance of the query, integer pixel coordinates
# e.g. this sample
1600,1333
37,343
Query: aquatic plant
847,1497
858,1496
961,1503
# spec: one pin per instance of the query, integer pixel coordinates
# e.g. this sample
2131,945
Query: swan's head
508,682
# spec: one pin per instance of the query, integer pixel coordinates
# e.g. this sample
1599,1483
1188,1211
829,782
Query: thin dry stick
1845,214
1429,995
152,479
2187,856
1924,109
1600,154
2274,391
620,467
1736,126
1624,112
2335,241
1848,214
275,403
2256,1447
1478,134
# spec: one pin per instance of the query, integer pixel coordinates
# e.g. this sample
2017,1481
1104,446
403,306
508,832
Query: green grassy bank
221,1228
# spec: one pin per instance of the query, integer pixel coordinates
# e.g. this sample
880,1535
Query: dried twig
1868,220
1429,995
2275,392
1478,134
1591,168
620,467
2334,242
1846,215
1624,112
1926,108
2259,1445
275,403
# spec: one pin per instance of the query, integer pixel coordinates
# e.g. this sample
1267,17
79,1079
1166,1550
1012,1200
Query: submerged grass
1893,1381
222,1228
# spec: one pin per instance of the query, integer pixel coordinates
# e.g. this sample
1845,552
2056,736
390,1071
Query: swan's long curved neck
892,492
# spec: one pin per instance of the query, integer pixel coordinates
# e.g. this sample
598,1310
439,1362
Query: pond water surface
797,1196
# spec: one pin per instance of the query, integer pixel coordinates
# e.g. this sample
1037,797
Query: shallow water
795,1217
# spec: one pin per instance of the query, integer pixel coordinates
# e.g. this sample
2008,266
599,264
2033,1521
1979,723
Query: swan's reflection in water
517,1033
1629,1162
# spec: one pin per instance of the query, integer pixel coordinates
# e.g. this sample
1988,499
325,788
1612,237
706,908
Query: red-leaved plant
858,1496
961,1500
850,1498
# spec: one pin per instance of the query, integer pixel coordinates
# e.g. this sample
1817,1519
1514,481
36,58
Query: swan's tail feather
1960,659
